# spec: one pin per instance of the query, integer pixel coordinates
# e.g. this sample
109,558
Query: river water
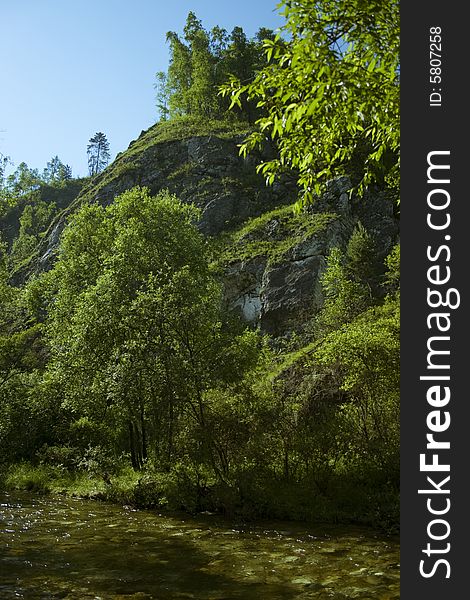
55,547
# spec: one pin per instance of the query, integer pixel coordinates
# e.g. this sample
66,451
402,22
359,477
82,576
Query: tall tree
4,160
200,62
202,93
162,95
179,75
23,180
56,171
98,153
135,326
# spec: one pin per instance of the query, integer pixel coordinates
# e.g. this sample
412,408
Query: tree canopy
330,92
127,358
98,153
200,61
135,326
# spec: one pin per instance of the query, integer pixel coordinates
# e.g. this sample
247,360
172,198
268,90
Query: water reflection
69,548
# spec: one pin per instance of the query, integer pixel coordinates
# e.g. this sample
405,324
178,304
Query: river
56,547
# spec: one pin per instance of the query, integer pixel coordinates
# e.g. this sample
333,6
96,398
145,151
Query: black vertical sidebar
435,358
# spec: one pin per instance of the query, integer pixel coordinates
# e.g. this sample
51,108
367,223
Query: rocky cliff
269,258
272,268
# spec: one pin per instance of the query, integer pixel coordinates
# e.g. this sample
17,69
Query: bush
96,460
63,457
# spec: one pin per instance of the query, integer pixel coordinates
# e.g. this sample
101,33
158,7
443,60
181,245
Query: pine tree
65,172
98,153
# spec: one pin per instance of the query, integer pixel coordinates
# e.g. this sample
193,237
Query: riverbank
268,500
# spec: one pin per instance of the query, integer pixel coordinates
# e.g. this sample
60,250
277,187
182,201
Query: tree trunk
135,464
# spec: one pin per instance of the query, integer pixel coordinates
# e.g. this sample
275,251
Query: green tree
363,260
241,59
135,325
331,94
202,92
218,42
162,95
34,220
191,71
344,297
179,76
20,357
363,358
55,171
4,197
98,153
22,181
201,61
4,161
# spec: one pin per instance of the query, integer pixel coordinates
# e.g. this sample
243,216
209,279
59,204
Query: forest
127,375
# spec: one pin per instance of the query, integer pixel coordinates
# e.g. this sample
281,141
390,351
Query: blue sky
70,68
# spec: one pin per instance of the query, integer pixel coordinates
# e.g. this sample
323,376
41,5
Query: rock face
288,290
205,170
278,293
272,276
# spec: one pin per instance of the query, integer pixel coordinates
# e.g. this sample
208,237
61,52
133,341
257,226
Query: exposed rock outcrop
279,286
272,262
205,170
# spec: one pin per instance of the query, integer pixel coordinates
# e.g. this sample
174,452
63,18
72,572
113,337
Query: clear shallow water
77,549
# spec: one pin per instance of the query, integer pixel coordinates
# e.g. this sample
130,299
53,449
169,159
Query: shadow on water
58,548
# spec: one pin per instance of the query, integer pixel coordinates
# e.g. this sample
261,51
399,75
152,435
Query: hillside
312,404
270,258
196,160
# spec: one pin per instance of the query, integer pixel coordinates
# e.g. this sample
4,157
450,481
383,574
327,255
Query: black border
425,128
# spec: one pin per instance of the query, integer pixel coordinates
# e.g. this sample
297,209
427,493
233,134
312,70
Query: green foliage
144,368
344,298
200,62
98,153
27,218
4,162
363,358
29,202
331,94
162,95
135,329
19,183
21,355
31,479
392,279
362,257
338,401
274,234
128,379
56,171
34,220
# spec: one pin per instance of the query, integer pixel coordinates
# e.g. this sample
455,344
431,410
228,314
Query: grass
348,501
142,489
274,235
185,127
47,479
